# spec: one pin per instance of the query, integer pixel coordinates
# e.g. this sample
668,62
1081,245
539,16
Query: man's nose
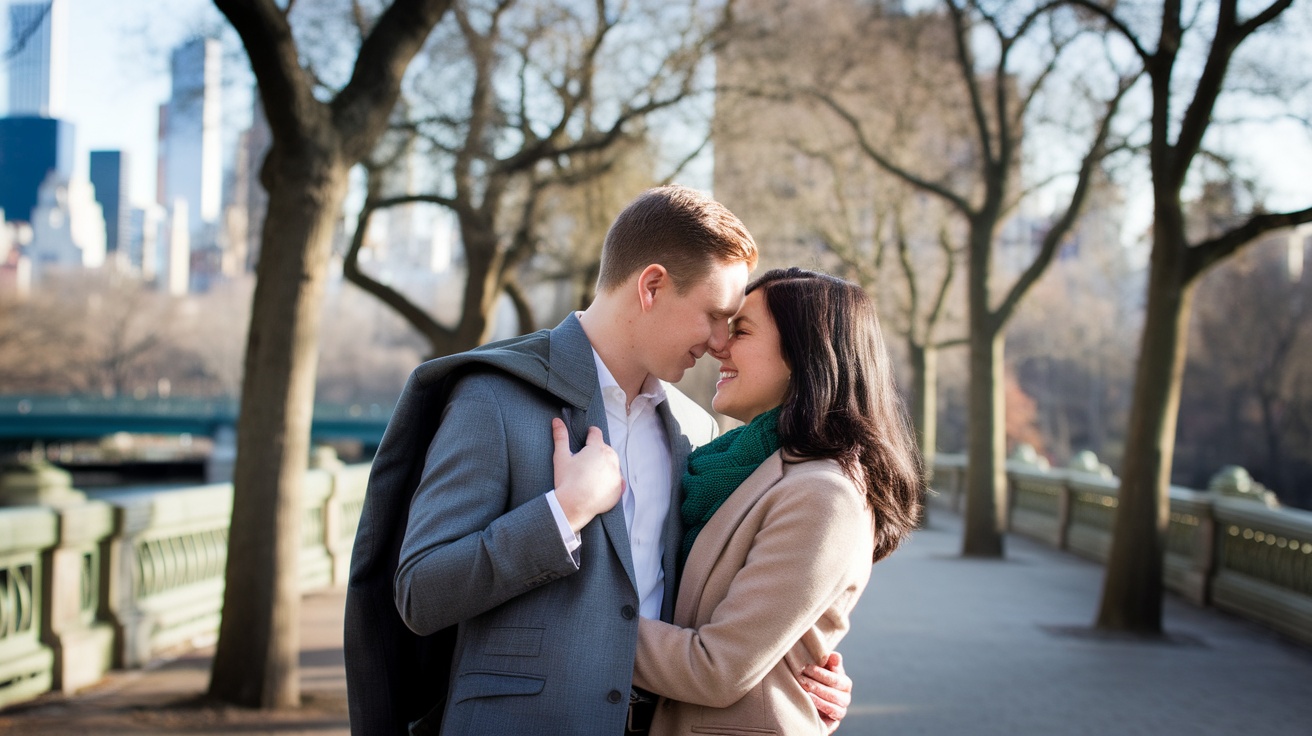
719,340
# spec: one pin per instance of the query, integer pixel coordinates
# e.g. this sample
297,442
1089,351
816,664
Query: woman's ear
651,281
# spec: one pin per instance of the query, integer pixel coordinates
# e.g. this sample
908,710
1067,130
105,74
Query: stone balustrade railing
115,579
1230,546
89,584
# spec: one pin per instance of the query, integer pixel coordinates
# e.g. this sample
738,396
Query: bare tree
1246,389
1000,97
41,346
125,325
911,272
315,144
1183,108
1072,341
551,88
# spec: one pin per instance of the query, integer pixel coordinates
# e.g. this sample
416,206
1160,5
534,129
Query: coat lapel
571,368
706,551
680,448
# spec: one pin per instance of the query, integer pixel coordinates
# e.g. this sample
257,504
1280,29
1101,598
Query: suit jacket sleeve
466,550
800,563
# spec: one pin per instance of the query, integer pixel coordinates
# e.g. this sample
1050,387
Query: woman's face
753,374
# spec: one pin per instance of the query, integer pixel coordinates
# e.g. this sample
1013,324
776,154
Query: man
525,585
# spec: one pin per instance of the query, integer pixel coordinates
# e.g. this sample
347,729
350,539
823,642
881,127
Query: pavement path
939,645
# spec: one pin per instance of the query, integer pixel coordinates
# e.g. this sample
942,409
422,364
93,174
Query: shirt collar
653,389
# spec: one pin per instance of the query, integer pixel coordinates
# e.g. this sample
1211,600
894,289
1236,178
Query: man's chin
672,375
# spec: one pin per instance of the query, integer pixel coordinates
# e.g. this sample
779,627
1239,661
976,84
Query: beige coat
767,589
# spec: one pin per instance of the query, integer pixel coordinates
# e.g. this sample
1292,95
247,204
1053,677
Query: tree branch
952,198
360,111
1269,14
1109,16
950,270
1200,257
418,318
523,309
1052,239
285,91
1198,114
966,62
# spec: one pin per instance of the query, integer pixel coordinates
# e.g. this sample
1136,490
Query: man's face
683,327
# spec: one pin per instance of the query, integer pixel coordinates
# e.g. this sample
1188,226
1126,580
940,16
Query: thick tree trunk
986,507
1132,589
255,663
986,483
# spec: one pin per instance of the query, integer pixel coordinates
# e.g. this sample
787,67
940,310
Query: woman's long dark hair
842,401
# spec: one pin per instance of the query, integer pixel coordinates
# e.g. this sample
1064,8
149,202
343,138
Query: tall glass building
37,33
30,148
109,175
192,130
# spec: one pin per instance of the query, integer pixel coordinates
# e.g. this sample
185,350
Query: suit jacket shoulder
697,424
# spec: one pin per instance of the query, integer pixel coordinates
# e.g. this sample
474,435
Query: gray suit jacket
537,641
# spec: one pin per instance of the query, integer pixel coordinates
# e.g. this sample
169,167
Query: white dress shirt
638,436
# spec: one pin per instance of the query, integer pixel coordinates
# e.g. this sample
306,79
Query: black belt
642,708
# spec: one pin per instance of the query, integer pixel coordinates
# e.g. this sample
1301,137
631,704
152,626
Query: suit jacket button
614,696
628,612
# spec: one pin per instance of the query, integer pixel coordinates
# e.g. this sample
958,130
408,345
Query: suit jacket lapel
680,448
572,367
717,532
613,520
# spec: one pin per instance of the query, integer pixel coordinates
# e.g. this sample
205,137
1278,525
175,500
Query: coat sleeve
802,561
465,550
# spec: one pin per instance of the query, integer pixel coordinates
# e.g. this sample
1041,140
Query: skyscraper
37,33
30,148
109,175
191,136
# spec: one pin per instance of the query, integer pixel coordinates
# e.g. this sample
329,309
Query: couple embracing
582,554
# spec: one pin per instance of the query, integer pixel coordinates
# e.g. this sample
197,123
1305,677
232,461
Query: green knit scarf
720,466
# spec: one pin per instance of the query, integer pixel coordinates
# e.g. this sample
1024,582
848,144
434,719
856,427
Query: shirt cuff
567,535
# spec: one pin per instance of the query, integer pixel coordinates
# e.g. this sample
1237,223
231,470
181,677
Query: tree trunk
924,402
483,287
986,508
986,482
1132,589
255,663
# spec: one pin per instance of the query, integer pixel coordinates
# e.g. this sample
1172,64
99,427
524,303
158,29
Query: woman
783,515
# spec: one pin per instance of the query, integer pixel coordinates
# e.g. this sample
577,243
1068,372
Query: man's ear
652,280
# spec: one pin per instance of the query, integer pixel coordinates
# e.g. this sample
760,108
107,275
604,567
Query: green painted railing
116,580
1230,547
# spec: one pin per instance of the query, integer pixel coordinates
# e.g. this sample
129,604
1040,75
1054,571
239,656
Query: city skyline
118,75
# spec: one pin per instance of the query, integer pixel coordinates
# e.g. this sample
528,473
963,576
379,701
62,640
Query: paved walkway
940,645
946,645
159,699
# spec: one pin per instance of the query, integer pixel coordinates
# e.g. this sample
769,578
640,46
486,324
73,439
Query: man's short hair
679,228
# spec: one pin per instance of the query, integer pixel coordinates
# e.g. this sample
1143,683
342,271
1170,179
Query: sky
118,75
